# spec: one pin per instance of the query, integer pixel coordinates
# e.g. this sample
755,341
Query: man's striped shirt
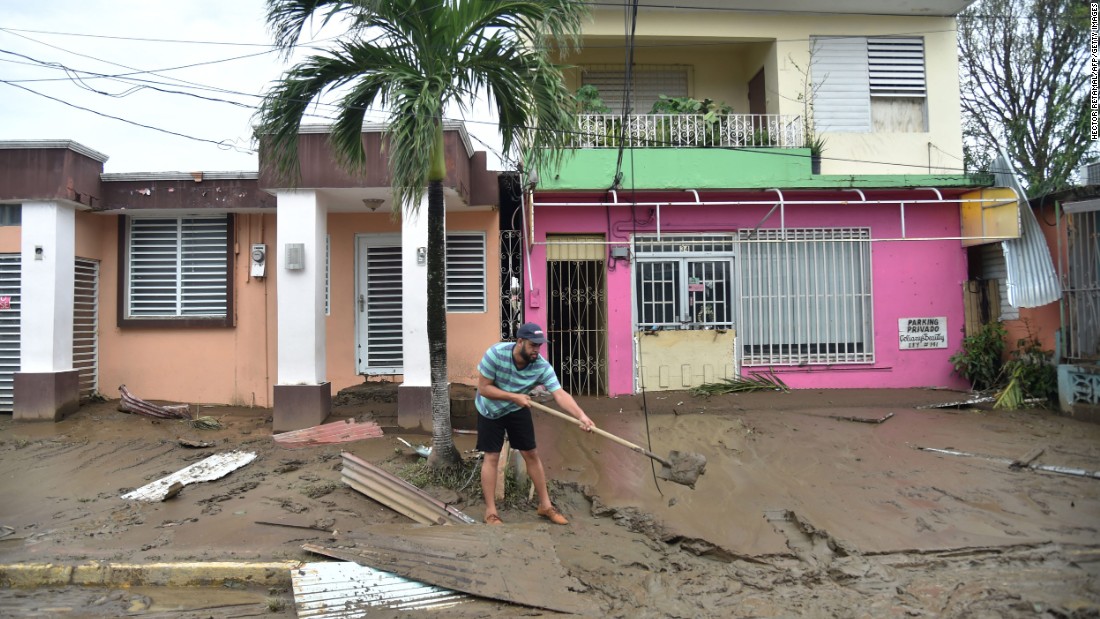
498,366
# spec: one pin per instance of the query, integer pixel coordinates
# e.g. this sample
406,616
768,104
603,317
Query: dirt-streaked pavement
798,514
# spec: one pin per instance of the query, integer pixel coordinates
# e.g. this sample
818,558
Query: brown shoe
553,515
493,519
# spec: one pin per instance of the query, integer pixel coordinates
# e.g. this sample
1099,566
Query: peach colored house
672,250
222,287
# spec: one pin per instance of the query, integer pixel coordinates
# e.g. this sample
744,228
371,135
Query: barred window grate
684,281
806,296
178,267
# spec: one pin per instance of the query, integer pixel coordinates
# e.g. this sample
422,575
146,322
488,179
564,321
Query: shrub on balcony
602,133
714,115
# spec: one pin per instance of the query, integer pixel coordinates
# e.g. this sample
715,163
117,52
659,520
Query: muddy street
801,512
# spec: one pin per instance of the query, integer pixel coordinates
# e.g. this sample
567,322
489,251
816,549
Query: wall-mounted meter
259,259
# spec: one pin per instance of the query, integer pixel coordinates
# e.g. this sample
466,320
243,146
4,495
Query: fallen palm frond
130,403
1012,396
742,384
205,423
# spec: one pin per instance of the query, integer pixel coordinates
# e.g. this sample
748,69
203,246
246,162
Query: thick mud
799,513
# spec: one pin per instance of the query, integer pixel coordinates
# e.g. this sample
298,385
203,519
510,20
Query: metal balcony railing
689,131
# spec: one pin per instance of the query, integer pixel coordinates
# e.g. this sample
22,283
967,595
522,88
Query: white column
301,293
414,289
48,257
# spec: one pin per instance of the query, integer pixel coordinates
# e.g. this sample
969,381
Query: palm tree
413,58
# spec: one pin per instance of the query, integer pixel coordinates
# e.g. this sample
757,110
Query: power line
221,144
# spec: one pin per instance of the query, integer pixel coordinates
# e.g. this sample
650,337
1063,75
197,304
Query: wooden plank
514,563
502,471
1027,458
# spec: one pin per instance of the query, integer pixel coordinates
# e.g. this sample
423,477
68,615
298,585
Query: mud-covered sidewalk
801,512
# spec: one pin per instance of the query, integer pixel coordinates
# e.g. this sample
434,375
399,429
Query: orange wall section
11,239
238,365
195,365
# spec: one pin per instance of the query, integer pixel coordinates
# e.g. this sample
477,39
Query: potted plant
816,144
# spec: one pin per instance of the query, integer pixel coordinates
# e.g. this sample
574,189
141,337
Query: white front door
378,314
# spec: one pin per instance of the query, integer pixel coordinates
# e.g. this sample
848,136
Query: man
508,373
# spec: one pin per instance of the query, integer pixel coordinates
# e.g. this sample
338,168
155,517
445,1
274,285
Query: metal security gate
86,326
511,283
1082,291
577,314
9,328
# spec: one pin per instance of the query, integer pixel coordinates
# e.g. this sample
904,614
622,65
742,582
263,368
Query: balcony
690,131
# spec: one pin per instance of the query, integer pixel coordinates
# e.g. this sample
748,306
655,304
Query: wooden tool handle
603,433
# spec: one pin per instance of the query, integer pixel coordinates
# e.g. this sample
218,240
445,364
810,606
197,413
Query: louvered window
10,309
466,272
862,84
896,67
178,267
650,82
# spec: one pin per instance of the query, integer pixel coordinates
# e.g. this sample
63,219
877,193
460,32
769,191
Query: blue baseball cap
532,333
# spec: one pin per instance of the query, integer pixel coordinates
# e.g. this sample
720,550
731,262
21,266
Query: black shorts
518,425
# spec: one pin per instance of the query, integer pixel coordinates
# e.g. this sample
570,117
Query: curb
191,574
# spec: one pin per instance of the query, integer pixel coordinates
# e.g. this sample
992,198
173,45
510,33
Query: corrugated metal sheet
1031,280
208,469
346,589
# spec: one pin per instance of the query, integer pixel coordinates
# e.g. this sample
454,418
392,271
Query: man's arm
488,389
569,405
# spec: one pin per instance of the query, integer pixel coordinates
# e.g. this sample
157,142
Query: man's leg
538,479
489,482
537,475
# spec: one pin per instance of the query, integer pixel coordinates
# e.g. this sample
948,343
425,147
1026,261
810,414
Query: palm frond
742,384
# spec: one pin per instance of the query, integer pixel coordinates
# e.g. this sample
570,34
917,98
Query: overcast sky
196,68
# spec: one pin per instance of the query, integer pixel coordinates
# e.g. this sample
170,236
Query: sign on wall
914,333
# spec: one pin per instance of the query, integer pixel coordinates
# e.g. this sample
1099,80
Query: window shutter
650,82
466,272
840,83
178,266
385,346
896,67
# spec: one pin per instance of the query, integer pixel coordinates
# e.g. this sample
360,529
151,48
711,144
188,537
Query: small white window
178,267
11,214
466,272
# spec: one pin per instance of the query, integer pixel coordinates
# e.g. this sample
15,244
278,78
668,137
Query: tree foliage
411,59
1025,87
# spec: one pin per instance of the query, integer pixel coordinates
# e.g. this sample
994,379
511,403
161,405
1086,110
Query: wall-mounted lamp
373,203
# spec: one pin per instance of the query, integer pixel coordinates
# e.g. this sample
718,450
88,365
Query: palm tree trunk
444,453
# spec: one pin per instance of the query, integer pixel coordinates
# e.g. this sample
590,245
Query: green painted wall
718,168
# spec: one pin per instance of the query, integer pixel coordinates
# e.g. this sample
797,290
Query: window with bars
178,268
466,272
684,282
806,296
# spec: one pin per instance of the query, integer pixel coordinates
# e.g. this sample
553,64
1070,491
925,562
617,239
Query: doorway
378,338
577,312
